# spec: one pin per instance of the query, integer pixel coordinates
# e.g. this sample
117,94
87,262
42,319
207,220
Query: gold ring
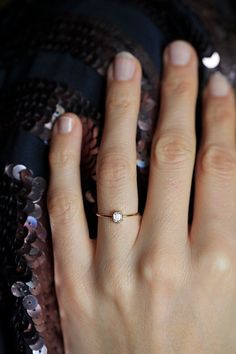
117,216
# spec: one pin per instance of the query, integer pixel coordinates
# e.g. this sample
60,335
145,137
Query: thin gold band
117,216
124,215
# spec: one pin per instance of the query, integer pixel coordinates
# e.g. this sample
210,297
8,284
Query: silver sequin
16,171
43,350
30,302
19,289
35,313
39,183
36,212
142,163
8,169
38,345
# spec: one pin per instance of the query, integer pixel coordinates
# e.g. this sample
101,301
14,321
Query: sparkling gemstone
117,216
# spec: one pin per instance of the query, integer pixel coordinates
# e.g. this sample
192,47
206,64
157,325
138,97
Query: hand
153,284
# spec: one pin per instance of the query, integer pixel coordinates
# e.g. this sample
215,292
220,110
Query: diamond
117,216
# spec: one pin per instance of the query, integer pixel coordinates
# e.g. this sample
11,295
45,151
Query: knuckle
153,266
119,103
177,87
114,169
218,259
219,160
219,113
62,206
63,158
172,150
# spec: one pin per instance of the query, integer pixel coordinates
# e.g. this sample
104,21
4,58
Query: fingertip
67,123
124,67
179,53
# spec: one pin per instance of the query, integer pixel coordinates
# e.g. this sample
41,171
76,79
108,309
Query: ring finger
116,161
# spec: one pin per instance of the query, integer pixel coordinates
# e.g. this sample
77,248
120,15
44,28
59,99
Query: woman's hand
150,285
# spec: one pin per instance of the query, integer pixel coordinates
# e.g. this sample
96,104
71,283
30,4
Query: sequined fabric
34,94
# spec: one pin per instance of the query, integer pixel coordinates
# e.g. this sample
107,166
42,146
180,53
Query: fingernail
219,85
124,66
64,124
179,53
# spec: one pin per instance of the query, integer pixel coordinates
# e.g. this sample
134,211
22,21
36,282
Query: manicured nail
179,53
219,85
64,124
124,66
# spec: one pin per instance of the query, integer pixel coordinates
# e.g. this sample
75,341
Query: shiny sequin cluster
37,294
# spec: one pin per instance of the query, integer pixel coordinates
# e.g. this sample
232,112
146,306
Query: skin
151,284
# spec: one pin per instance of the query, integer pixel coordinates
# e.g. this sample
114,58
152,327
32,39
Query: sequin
144,124
35,313
33,264
26,176
31,237
8,169
29,207
43,350
141,163
30,302
34,252
59,111
35,195
212,61
16,171
41,328
34,282
19,289
39,183
35,290
89,197
31,222
36,212
31,337
41,232
149,104
38,345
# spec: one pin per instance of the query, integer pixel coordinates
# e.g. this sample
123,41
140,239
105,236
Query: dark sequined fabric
57,63
29,273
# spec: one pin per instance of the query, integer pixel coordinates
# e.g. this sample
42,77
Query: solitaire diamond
117,216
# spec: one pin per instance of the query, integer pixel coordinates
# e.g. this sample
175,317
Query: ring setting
117,216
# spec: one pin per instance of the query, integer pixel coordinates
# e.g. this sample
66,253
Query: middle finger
165,217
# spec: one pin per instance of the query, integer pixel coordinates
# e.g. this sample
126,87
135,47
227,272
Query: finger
71,244
116,162
165,219
215,186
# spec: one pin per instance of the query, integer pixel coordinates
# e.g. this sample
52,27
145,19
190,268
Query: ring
117,216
